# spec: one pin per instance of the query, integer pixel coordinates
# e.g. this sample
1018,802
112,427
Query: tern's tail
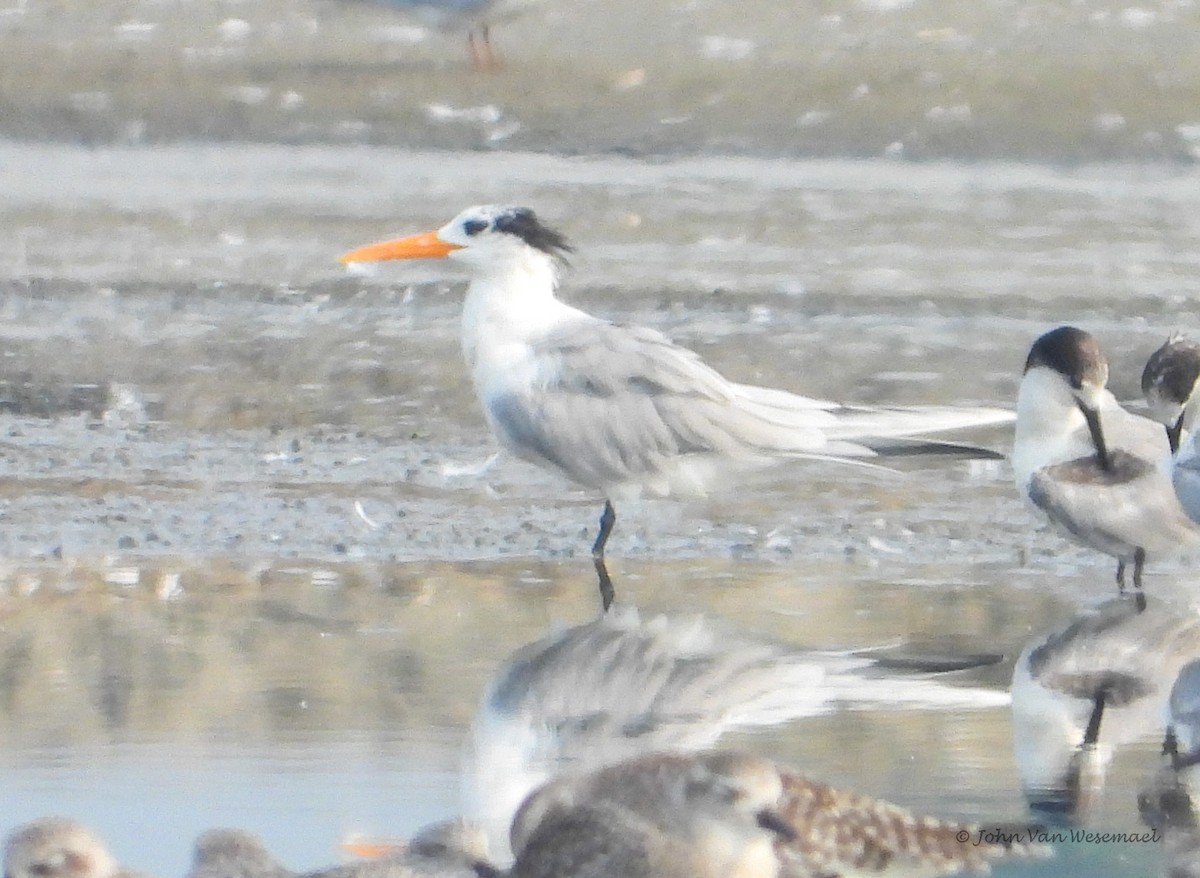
859,430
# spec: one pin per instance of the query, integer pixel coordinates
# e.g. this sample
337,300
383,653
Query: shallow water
255,575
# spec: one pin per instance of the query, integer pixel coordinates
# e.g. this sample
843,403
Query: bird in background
620,409
1097,471
474,16
1169,383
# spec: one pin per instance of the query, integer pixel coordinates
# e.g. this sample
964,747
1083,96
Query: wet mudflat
256,492
939,79
256,561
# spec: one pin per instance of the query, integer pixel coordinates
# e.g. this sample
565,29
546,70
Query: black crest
1173,369
1072,353
524,224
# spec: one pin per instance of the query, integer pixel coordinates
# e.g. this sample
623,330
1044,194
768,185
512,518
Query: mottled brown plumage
724,814
57,847
844,833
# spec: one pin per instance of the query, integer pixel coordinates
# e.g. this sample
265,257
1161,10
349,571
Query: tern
1097,471
621,409
1169,383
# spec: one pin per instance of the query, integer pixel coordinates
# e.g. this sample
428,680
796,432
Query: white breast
1050,426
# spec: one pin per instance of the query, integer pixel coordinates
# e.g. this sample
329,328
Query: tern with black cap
1169,382
1097,471
621,409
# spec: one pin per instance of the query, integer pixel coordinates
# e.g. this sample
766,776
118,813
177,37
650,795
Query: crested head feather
523,223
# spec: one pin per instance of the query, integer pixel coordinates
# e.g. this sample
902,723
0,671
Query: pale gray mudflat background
251,573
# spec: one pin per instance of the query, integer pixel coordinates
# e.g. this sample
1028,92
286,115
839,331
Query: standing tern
1169,383
1096,470
621,409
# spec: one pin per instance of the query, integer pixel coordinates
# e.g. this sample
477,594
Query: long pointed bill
1175,433
426,245
1093,421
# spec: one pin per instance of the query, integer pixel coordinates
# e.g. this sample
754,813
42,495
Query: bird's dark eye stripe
473,227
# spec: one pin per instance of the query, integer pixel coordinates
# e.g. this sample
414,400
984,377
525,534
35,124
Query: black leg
1121,575
607,592
1092,734
1171,746
1139,561
607,519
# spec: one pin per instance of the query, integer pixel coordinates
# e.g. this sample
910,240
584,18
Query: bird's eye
474,226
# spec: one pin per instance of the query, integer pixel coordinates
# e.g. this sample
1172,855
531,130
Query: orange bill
372,849
426,245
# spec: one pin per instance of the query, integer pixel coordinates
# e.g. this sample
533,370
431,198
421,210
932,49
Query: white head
56,847
491,239
1067,366
1169,383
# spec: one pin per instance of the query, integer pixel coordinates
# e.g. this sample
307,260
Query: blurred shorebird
621,409
1169,383
57,847
474,16
452,849
1097,471
234,853
723,813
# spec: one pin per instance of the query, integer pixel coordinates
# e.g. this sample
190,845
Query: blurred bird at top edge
476,17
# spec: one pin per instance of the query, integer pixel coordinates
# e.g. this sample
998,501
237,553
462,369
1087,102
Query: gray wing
614,404
1129,506
617,686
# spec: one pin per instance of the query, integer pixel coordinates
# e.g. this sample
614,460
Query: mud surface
941,78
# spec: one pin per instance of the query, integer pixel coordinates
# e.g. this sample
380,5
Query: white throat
510,305
1050,427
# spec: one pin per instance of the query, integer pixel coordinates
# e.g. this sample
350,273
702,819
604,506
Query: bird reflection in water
590,756
1083,692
